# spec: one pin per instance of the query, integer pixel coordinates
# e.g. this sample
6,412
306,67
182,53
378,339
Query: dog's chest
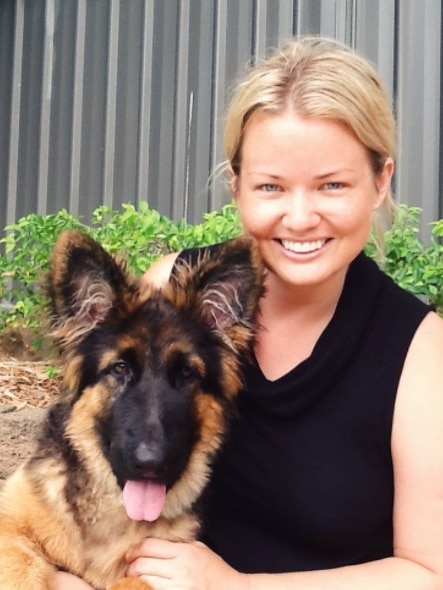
109,540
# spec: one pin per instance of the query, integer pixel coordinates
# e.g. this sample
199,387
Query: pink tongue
144,500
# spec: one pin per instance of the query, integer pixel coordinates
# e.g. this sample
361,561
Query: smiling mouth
303,247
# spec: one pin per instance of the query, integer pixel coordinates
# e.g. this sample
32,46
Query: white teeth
303,247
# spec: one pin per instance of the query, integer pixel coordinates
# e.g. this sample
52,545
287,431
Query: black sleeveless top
305,479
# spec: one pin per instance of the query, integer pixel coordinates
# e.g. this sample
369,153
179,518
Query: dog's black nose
149,460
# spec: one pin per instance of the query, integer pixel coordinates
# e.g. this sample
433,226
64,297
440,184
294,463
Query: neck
311,300
291,321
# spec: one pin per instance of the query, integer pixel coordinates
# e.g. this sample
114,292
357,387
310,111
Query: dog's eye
184,376
120,368
187,373
185,369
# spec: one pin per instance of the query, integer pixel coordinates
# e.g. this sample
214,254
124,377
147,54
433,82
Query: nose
149,459
301,211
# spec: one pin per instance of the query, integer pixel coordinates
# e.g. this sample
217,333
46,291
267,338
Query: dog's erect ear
223,288
83,281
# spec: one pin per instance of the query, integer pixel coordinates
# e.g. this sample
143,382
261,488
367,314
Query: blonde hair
316,77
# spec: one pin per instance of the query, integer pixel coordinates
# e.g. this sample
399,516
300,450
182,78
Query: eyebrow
321,176
261,173
334,172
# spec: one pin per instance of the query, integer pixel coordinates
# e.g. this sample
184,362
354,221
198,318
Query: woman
333,473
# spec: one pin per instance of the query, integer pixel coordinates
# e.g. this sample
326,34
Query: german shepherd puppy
150,377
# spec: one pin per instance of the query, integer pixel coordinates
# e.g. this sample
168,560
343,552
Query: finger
147,566
158,548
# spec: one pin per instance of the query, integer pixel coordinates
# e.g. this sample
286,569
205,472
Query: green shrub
141,235
414,265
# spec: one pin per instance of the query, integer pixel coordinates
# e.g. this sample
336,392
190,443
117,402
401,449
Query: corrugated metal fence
111,101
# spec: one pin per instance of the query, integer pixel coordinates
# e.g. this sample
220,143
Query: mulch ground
26,371
25,384
26,389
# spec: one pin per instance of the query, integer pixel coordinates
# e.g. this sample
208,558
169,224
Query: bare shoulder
431,326
426,350
418,417
422,374
159,272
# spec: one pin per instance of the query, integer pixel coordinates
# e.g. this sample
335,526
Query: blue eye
269,188
333,186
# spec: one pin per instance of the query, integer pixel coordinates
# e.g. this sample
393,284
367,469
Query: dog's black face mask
153,422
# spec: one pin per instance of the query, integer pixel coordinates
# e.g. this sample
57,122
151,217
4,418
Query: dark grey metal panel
164,71
375,35
112,101
419,105
63,122
8,116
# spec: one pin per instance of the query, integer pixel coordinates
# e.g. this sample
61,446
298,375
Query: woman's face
306,191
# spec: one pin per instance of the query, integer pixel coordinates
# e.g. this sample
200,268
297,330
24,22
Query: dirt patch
18,430
27,388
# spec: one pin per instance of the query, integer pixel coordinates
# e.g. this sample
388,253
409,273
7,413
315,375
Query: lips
304,247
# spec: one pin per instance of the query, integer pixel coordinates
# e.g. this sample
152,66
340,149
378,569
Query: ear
223,290
233,180
383,182
83,283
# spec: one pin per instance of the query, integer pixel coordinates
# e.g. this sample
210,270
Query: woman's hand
183,566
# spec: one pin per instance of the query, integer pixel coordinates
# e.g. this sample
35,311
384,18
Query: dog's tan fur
45,524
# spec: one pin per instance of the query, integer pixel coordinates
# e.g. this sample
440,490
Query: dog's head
150,373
